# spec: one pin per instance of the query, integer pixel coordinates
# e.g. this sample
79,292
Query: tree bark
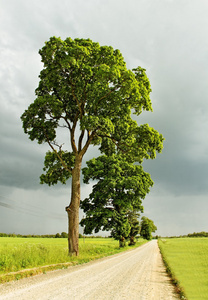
122,242
73,209
132,241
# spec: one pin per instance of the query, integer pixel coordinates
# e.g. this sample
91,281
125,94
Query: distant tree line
195,234
57,235
198,234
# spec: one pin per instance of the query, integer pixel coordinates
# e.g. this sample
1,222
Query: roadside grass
186,260
23,257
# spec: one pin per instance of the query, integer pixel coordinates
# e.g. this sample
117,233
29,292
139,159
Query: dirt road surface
137,274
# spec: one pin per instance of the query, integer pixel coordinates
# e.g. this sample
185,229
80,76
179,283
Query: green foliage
198,234
120,227
87,91
55,170
135,226
147,227
26,236
88,86
64,235
116,197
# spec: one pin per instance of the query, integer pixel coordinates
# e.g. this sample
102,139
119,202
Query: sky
169,38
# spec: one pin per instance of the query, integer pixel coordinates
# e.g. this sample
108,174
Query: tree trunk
73,209
132,241
122,242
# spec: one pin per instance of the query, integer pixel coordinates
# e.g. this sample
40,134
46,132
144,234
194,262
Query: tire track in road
137,274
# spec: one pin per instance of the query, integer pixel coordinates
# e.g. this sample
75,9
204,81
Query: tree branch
74,96
89,140
72,131
106,95
80,140
115,142
57,154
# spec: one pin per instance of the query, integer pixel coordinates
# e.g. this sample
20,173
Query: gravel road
137,274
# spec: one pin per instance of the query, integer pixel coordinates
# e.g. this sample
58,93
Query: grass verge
21,257
186,261
169,270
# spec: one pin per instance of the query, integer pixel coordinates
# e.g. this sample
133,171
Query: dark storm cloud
179,82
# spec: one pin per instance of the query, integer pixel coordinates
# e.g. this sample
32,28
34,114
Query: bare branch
57,145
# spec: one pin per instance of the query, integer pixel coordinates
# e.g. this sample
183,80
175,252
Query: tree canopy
147,227
88,86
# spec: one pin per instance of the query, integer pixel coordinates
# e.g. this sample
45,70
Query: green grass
187,261
42,254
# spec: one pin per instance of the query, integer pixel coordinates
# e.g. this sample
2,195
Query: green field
187,259
18,254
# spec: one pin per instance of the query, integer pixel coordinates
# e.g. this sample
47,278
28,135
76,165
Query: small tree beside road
116,198
147,227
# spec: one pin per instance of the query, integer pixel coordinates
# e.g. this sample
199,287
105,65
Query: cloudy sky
169,38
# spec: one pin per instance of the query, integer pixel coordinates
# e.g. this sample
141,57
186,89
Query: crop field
187,260
44,254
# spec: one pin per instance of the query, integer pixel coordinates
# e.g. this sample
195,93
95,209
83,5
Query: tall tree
86,90
116,197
